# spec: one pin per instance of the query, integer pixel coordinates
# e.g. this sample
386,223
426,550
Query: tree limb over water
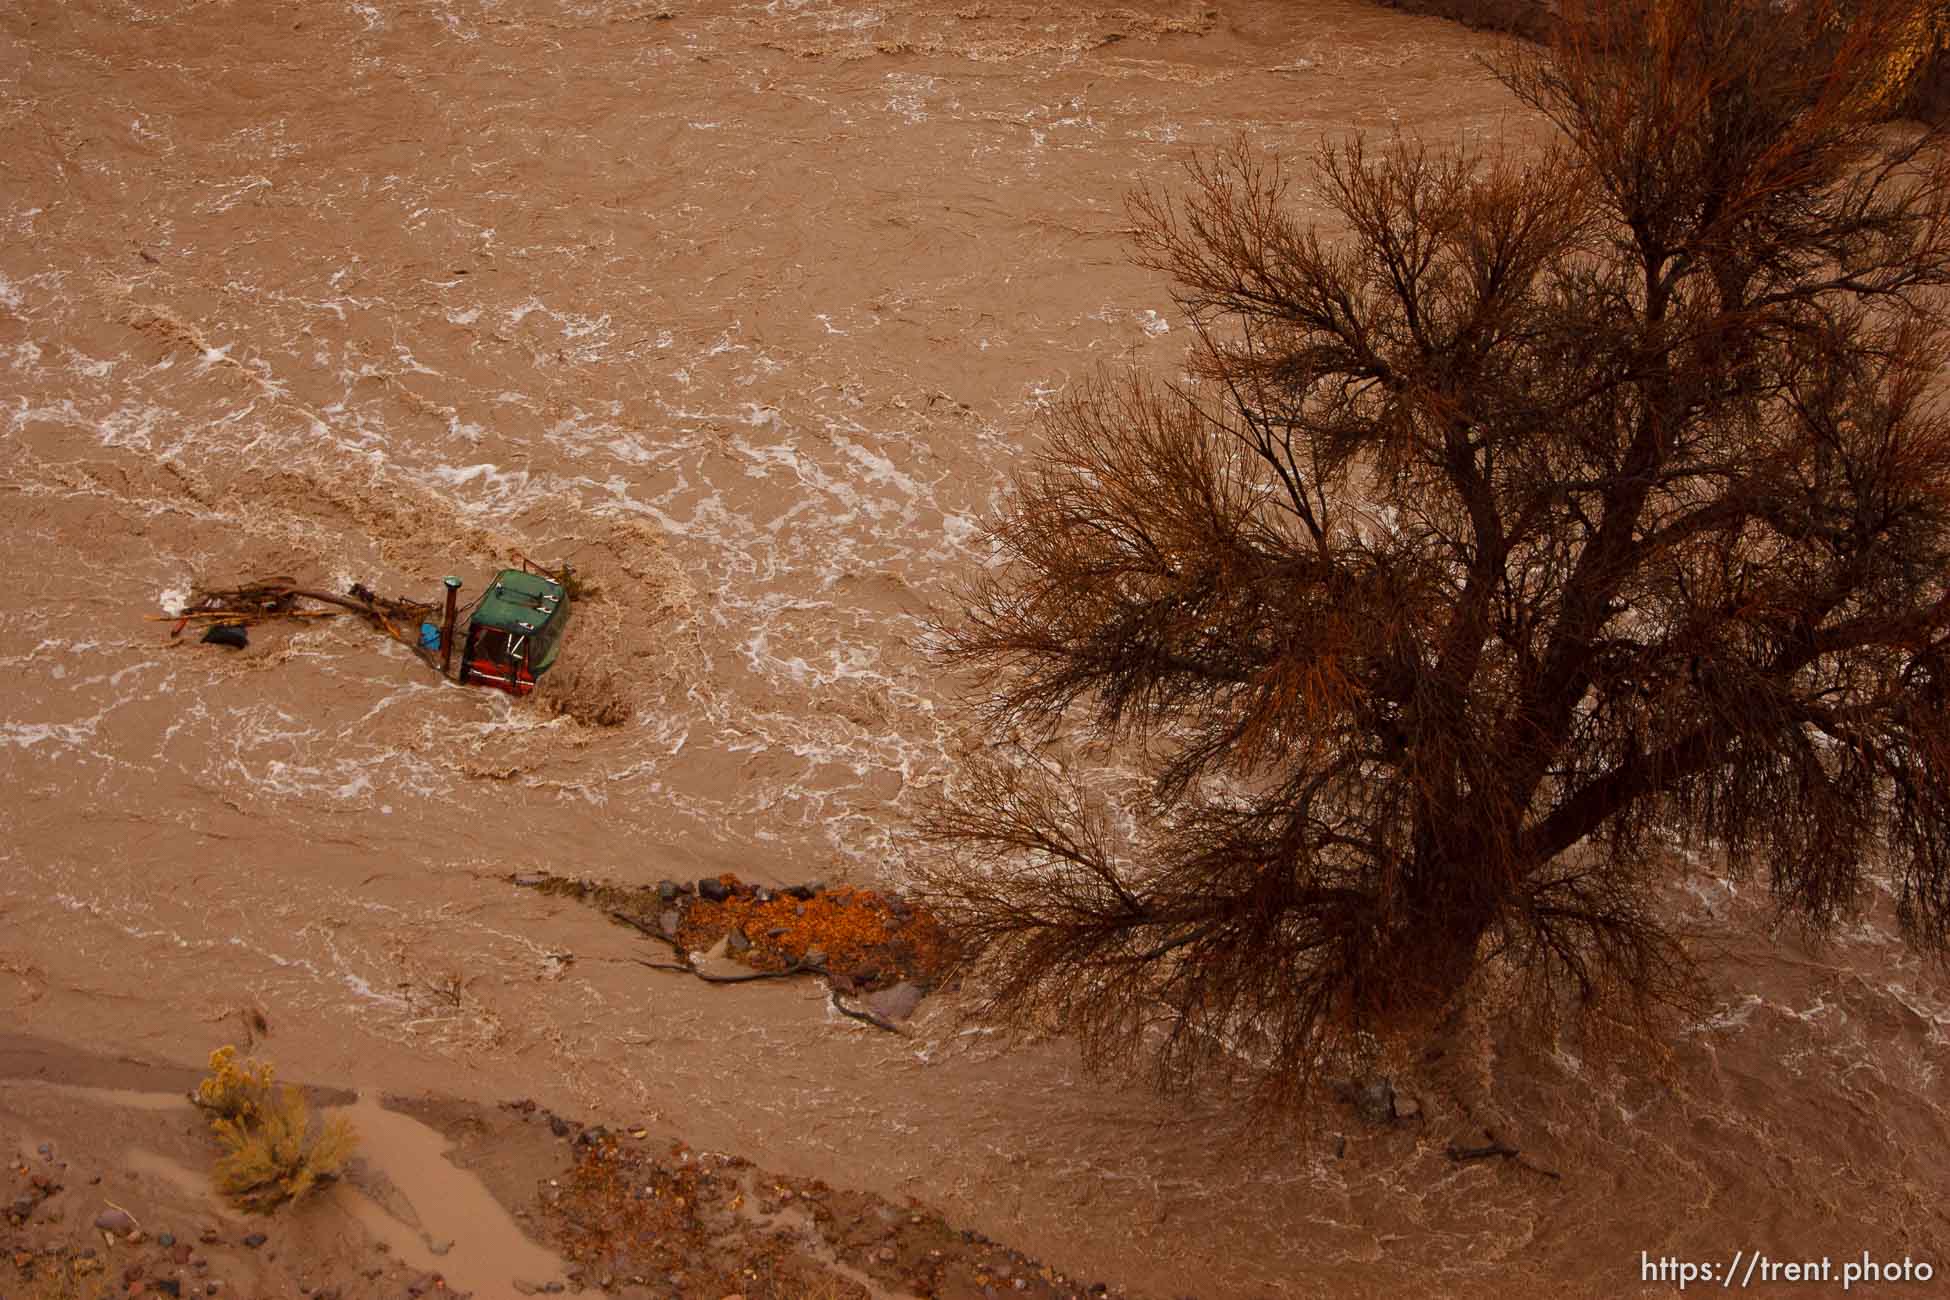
1558,505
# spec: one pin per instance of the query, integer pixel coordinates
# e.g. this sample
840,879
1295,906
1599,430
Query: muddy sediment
112,1192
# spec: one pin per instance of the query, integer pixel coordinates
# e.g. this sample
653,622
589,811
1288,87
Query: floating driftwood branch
1501,1150
708,978
242,614
272,598
861,1014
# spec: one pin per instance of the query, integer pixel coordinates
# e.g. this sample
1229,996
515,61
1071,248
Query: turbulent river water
748,311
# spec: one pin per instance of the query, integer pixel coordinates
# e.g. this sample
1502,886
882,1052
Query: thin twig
242,613
646,930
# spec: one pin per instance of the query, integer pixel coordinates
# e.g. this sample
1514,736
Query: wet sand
748,312
109,1191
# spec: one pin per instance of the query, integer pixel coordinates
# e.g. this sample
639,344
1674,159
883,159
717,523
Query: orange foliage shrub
862,932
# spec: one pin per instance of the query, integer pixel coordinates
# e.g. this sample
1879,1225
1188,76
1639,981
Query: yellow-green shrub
235,1088
273,1150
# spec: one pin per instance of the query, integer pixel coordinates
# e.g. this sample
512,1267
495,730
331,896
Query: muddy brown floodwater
747,310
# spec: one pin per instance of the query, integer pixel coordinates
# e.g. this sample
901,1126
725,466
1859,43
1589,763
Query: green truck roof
518,601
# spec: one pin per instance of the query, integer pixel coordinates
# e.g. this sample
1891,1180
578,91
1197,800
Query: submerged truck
515,631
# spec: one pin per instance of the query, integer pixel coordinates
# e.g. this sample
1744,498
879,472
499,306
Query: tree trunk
1427,952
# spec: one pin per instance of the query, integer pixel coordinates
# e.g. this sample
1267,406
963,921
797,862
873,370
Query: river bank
107,1192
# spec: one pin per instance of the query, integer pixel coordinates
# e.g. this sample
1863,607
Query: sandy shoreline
448,1196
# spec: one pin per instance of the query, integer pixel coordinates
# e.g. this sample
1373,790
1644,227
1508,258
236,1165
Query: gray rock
668,922
736,941
255,1239
803,893
715,891
1375,1102
667,890
896,1002
531,879
117,1222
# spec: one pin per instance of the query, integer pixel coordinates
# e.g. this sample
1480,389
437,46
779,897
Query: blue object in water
429,637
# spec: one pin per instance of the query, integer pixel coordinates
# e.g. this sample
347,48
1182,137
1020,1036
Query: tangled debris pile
218,608
865,943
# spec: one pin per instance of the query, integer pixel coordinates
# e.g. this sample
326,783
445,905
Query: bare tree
1556,506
